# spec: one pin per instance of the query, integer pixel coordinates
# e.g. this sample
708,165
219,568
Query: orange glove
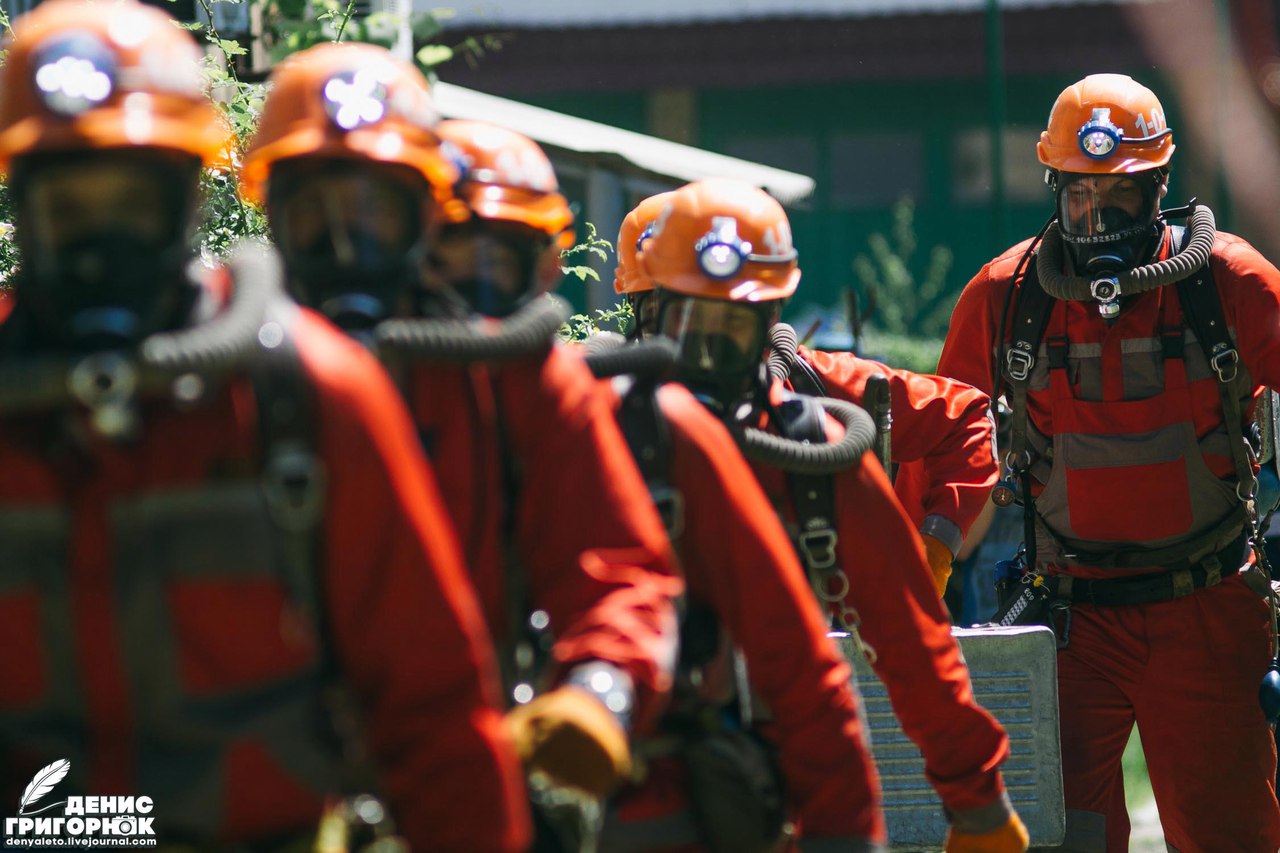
1010,838
940,558
569,735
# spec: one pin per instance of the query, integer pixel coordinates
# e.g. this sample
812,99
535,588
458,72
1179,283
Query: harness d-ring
842,588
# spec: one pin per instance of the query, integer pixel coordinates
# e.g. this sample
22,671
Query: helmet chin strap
1106,290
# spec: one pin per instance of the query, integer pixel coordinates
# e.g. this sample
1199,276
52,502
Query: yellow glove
940,558
1010,838
569,735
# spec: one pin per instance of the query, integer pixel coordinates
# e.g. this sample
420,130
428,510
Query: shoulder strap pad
802,418
648,435
1030,317
292,474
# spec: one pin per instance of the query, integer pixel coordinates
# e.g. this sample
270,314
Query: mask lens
70,203
1100,208
488,266
714,338
353,219
644,306
104,243
350,234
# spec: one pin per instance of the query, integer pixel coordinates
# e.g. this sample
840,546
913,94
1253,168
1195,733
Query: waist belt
1219,539
1148,589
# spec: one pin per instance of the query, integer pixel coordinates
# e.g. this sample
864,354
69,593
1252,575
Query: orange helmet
628,278
722,239
113,74
347,101
506,177
1106,124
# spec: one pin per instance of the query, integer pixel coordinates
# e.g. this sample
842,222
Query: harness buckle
1225,364
670,505
293,482
818,547
1019,363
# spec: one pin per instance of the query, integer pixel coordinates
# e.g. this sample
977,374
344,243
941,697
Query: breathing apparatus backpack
733,784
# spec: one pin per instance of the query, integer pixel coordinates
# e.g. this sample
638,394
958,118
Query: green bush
916,354
905,294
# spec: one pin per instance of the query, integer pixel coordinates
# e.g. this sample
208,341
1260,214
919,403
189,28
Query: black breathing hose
798,457
1050,262
651,358
527,331
603,342
222,343
783,346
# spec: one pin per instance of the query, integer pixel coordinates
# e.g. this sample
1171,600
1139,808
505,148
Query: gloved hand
1012,837
940,558
570,735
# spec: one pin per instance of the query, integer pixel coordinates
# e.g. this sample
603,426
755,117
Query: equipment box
1014,673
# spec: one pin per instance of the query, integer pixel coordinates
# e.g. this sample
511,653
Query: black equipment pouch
1027,605
735,792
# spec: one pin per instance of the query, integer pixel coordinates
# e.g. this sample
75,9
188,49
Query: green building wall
867,145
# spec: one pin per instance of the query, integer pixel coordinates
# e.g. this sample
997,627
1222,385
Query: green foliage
292,25
224,217
913,353
579,327
592,244
288,26
1137,783
906,296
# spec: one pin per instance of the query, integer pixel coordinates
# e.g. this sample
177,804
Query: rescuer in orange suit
1131,442
941,433
721,257
564,546
215,512
747,599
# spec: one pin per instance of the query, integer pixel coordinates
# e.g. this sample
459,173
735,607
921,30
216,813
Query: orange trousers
1187,672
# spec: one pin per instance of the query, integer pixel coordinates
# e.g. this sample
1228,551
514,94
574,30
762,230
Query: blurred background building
900,133
886,101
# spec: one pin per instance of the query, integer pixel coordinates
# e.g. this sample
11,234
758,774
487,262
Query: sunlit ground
1146,836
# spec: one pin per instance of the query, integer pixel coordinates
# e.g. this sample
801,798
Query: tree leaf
434,54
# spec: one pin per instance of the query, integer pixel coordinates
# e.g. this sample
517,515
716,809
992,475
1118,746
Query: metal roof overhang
593,13
622,150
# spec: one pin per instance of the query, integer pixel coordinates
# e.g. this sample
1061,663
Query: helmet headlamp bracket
721,252
355,99
1099,138
74,72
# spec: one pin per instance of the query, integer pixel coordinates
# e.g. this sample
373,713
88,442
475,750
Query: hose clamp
1106,291
106,384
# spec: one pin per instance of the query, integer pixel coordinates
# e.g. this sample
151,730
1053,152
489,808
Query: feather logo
43,783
